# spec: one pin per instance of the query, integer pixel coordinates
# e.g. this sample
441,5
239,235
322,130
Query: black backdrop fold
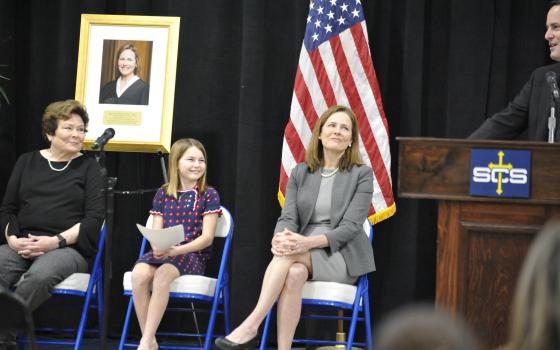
443,67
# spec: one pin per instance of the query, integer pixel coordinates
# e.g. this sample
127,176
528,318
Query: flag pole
340,335
335,68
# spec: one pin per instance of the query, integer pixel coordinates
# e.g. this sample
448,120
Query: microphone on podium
551,80
103,139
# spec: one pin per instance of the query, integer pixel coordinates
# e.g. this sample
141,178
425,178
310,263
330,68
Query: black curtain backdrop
443,67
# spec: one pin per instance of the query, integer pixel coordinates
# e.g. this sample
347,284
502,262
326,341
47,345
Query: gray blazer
351,198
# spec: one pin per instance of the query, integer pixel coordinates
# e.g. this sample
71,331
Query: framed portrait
126,79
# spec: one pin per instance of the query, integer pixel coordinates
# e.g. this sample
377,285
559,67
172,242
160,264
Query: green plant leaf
2,91
5,96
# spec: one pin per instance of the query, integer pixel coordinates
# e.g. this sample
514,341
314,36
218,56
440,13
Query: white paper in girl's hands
165,238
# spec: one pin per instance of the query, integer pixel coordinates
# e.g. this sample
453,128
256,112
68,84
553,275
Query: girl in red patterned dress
186,200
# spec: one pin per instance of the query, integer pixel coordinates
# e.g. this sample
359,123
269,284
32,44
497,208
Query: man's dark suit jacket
529,111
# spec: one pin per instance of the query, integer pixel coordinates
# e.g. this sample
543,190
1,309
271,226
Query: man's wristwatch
61,241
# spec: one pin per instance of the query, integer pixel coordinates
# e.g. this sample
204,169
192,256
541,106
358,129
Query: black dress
136,94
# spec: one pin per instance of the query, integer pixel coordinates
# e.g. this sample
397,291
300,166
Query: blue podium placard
500,173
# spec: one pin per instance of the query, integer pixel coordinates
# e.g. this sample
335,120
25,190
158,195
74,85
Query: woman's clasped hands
286,243
32,246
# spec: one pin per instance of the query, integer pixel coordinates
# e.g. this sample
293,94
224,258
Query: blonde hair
177,150
536,311
314,153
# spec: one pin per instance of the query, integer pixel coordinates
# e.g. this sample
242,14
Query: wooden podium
482,241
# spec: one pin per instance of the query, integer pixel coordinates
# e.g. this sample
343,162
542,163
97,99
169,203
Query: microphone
551,80
104,138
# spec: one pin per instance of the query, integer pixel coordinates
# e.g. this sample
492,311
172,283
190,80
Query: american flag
335,67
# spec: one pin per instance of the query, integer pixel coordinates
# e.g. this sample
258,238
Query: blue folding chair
193,288
82,285
339,296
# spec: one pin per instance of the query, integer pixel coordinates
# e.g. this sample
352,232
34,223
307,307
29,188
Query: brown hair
177,150
62,110
423,327
314,153
535,323
121,49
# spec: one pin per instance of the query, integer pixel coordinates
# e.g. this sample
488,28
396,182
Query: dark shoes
224,344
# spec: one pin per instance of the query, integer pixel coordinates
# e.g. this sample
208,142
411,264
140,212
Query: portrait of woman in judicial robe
127,88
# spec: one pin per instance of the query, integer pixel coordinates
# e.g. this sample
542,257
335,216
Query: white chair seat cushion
329,292
188,284
76,281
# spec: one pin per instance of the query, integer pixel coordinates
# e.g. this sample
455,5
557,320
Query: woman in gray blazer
319,235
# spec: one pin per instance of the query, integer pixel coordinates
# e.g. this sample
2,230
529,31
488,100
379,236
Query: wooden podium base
482,241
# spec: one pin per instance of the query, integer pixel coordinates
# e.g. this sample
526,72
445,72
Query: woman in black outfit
52,210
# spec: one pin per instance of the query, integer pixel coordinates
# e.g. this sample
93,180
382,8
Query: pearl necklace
55,169
61,169
324,174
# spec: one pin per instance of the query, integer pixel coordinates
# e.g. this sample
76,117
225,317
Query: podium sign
482,241
498,173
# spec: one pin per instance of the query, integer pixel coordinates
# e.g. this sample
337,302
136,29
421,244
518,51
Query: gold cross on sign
500,165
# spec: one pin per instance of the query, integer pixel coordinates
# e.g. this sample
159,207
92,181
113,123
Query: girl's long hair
177,150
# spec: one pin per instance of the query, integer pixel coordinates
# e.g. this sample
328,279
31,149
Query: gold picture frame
142,113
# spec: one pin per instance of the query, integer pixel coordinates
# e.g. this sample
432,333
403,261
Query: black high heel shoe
225,344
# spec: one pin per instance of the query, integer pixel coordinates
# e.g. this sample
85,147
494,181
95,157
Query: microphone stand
552,120
108,190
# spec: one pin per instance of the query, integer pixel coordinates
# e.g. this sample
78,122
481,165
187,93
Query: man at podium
534,109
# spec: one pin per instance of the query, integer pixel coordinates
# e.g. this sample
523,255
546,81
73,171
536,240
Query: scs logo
513,175
498,177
